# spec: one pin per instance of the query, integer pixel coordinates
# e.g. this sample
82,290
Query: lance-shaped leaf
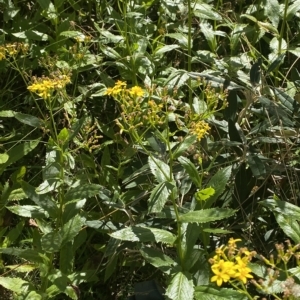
209,293
144,234
207,215
159,169
191,170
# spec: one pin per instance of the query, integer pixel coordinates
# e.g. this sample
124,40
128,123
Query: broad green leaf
51,242
209,34
3,158
184,145
44,201
66,258
32,35
218,182
181,287
111,266
159,196
165,49
257,166
17,152
282,207
71,228
49,9
16,285
276,63
209,293
28,254
289,227
159,169
72,34
72,208
180,37
13,234
28,211
7,113
191,170
144,234
29,120
207,215
83,191
235,35
33,295
158,259
204,194
217,231
272,11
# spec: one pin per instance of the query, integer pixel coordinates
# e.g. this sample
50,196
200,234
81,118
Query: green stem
190,52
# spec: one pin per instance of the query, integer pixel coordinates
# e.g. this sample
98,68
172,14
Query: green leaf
7,114
276,63
292,10
184,145
289,227
180,37
207,215
33,295
165,49
44,201
71,228
181,287
28,211
16,285
191,170
17,152
204,194
29,120
159,169
282,207
72,34
255,72
159,196
83,192
51,242
144,234
257,166
209,293
272,11
206,11
218,182
28,254
32,35
3,158
158,259
48,8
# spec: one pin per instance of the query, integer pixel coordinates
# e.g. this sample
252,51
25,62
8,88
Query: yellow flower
223,270
2,53
200,129
136,91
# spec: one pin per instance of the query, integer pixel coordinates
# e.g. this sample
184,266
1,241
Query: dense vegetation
146,140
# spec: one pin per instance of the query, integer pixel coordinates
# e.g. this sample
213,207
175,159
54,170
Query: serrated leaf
16,285
209,293
207,215
159,196
191,170
82,192
144,234
159,169
181,287
157,259
272,10
28,211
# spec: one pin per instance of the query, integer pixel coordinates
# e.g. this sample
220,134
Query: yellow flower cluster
45,86
12,50
200,129
120,89
230,263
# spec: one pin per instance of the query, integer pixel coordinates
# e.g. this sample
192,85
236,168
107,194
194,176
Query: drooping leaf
158,259
181,287
184,145
207,215
289,227
28,254
29,120
191,170
144,234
